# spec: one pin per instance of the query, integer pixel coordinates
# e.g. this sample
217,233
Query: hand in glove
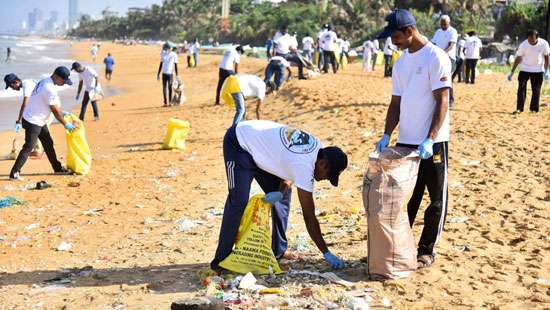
334,261
426,149
383,143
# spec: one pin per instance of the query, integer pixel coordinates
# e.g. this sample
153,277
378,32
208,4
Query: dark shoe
16,177
425,260
42,185
516,112
63,171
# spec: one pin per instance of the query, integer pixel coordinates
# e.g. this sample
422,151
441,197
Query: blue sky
11,15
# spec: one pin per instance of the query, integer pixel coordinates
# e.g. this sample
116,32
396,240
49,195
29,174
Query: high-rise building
35,20
73,13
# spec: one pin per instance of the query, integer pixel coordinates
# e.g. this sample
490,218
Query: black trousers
84,107
296,60
536,85
459,70
471,71
32,134
222,75
387,65
329,58
432,174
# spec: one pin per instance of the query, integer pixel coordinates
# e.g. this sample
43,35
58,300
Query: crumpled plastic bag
79,157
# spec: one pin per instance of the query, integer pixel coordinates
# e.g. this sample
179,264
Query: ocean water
36,58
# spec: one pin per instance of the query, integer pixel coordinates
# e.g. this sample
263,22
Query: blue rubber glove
383,143
547,75
426,149
65,113
334,261
17,127
273,197
70,127
510,76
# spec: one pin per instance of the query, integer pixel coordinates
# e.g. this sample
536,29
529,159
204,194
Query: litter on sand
64,246
461,219
10,201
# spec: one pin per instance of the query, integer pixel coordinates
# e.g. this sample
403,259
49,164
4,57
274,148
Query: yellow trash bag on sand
252,252
176,134
394,57
230,86
79,157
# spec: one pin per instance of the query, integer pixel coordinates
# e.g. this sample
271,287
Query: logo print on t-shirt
297,141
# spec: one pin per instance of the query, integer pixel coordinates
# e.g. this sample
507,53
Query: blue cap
64,73
398,19
10,78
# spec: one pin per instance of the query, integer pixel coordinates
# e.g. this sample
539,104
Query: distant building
53,22
35,20
137,10
73,13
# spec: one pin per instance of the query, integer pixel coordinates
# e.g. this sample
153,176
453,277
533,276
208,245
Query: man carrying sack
421,81
88,77
275,155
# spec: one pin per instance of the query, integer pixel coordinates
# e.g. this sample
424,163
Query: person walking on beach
228,66
27,86
446,38
193,52
368,50
168,64
307,47
472,53
88,79
328,42
42,103
94,51
321,58
376,49
389,49
420,106
284,45
532,57
460,57
344,49
276,69
276,156
8,54
109,62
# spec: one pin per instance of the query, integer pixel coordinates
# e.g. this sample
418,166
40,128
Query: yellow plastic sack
191,61
230,86
176,134
394,57
79,157
252,252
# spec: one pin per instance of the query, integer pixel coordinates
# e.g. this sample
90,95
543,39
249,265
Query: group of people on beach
279,157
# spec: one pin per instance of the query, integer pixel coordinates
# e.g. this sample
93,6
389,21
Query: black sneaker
16,177
63,171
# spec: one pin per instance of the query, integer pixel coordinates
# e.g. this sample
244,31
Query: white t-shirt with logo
27,86
473,47
442,38
344,45
389,47
280,150
230,58
368,47
307,43
415,76
532,56
283,43
283,61
328,39
88,78
38,110
168,61
251,86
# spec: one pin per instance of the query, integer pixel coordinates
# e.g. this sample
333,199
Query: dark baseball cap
240,49
337,162
10,78
398,19
64,73
76,65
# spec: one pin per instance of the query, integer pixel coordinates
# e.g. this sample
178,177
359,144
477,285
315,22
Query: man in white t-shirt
389,49
251,86
168,64
276,69
276,156
284,46
376,45
421,81
532,57
344,49
228,66
460,57
43,101
88,78
307,47
27,86
446,38
472,52
193,51
328,42
368,50
319,44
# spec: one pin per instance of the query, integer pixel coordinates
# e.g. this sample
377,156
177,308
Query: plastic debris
463,248
185,224
468,163
461,219
268,290
543,282
92,212
386,302
332,277
73,184
248,281
301,243
10,201
358,303
64,246
31,226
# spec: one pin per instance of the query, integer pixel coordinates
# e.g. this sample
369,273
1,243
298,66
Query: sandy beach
122,221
